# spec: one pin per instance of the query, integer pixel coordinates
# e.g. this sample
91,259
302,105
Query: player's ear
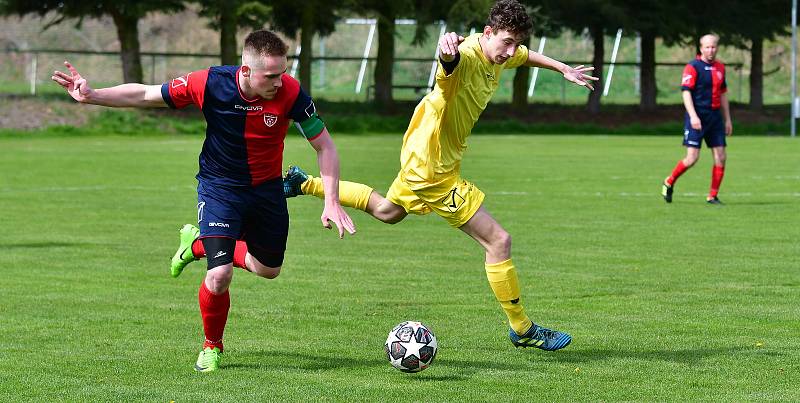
487,30
245,71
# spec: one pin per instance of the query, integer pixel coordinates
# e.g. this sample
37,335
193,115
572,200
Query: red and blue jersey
706,82
244,137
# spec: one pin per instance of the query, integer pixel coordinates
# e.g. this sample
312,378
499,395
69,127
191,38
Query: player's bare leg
502,276
692,155
260,269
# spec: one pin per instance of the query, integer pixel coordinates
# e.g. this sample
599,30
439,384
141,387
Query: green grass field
665,302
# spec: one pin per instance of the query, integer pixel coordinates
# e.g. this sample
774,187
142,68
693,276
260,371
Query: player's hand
448,46
75,85
696,124
728,128
578,76
334,212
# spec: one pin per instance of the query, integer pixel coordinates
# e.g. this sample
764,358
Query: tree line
745,24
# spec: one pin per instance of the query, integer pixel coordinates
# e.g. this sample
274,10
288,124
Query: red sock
239,253
676,173
197,249
214,310
716,179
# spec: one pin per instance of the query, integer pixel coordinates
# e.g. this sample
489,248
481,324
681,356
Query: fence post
435,62
322,62
34,62
741,99
613,61
637,69
365,57
296,61
535,74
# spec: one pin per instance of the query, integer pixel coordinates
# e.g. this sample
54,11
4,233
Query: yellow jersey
434,143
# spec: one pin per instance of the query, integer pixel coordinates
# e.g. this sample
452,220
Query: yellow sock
503,280
351,194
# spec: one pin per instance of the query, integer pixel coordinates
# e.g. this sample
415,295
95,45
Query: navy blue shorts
712,130
257,215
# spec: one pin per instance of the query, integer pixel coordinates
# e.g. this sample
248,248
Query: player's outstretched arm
328,159
135,95
575,74
448,46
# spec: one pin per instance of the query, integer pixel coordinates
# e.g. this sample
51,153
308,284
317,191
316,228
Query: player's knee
501,241
388,212
268,272
267,262
393,217
219,278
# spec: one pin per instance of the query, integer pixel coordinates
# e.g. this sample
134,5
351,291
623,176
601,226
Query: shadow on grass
266,360
283,360
688,356
288,360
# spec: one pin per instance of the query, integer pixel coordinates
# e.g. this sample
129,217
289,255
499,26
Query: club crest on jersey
270,119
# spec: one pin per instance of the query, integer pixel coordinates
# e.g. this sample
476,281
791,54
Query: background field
186,32
665,302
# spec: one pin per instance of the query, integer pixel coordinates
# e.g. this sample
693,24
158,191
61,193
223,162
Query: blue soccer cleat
292,182
540,337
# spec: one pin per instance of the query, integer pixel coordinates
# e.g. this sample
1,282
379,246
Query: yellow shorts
454,199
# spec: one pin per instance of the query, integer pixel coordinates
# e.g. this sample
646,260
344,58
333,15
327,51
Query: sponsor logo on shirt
219,224
686,78
248,108
270,119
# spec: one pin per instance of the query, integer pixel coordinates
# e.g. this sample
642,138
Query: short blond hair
715,37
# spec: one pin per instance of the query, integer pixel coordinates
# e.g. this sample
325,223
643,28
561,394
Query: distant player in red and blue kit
704,96
241,207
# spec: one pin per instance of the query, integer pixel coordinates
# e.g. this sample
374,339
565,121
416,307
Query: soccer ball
411,346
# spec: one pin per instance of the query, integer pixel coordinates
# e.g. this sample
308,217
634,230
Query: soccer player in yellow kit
434,144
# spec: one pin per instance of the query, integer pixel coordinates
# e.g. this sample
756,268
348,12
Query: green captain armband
311,127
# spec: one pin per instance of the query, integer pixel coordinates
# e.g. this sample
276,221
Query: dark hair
510,16
265,43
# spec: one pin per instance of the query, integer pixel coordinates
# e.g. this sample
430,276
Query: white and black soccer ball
411,346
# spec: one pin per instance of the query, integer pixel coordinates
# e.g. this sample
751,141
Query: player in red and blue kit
241,210
704,96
